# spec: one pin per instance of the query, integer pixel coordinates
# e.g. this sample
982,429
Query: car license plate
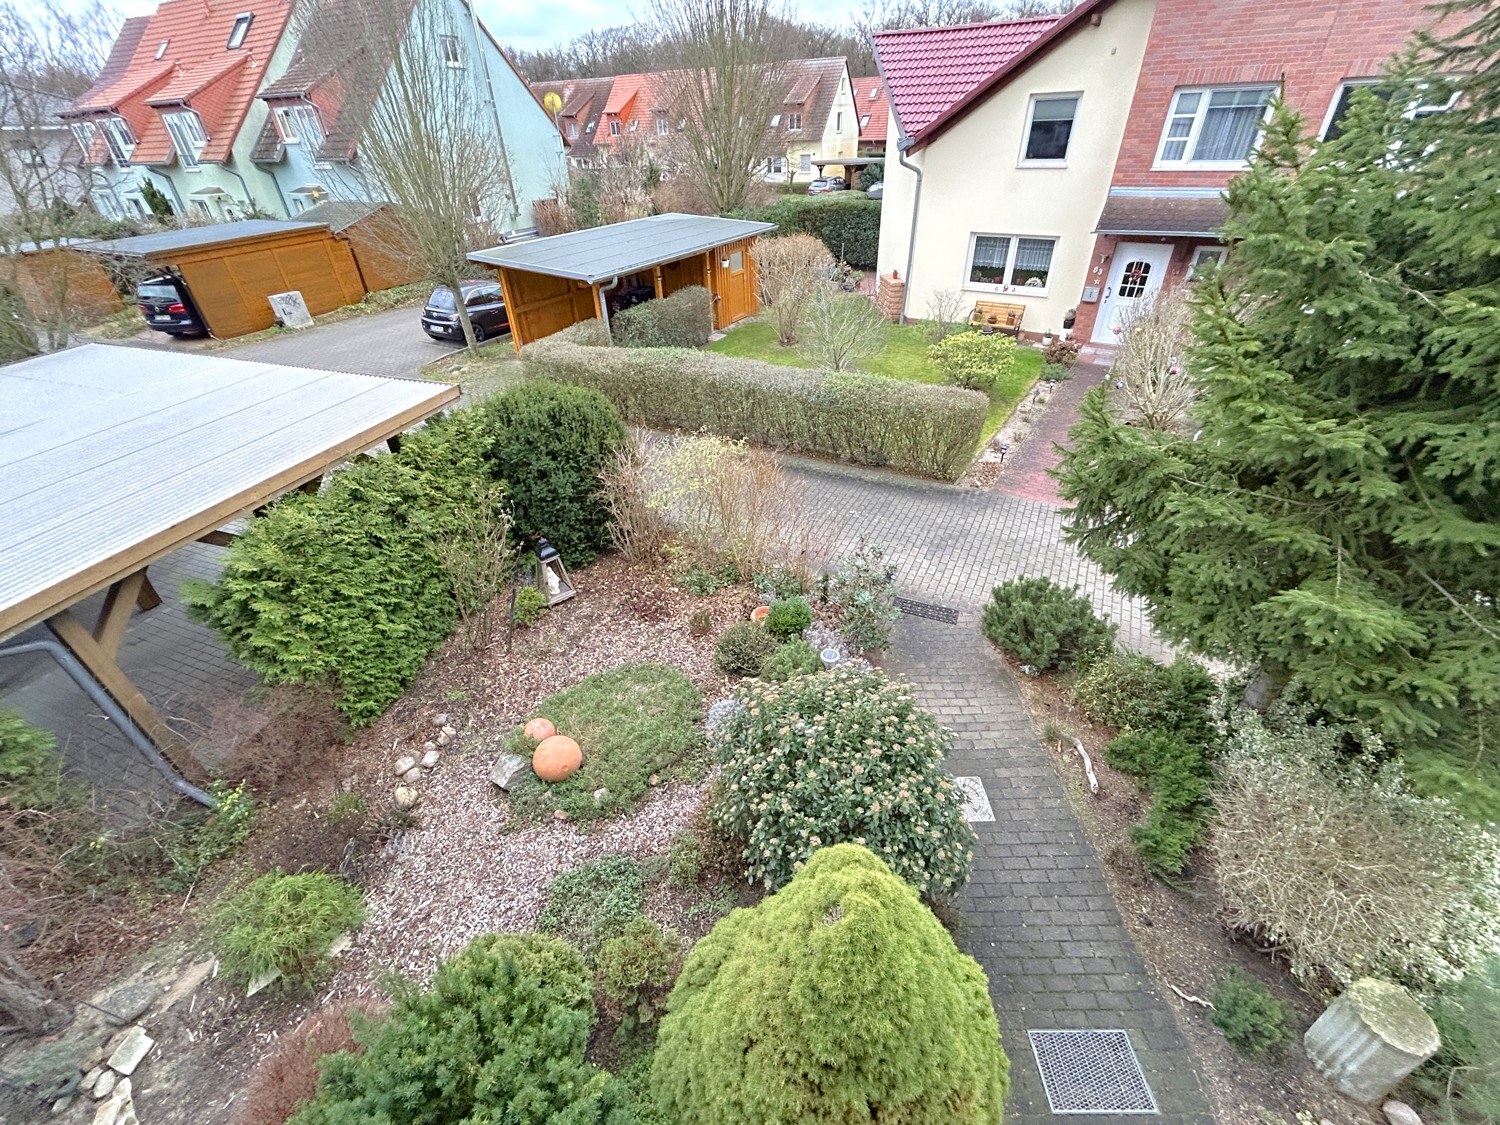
160,318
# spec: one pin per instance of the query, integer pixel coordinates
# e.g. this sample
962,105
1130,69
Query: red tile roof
873,108
194,79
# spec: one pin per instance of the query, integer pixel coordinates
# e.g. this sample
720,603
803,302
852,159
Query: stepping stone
134,1047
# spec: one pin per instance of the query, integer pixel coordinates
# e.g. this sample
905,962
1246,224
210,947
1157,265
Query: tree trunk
26,1002
1265,687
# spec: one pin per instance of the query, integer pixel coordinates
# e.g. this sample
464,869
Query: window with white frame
572,130
1214,128
1423,105
451,54
794,122
663,127
775,120
83,133
27,154
1010,262
633,124
298,124
1049,128
864,121
614,127
119,137
241,27
1202,255
776,166
805,164
188,137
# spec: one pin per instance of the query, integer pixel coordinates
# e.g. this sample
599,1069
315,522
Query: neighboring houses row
1077,163
39,162
820,117
229,108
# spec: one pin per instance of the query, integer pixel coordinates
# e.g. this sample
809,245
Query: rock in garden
132,1049
119,1109
405,797
600,794
1399,1113
62,1105
429,746
559,814
506,769
412,775
404,763
430,759
443,739
104,1084
450,732
653,780
440,721
88,1080
127,1004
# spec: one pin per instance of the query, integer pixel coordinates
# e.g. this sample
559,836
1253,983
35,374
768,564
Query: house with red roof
873,109
176,105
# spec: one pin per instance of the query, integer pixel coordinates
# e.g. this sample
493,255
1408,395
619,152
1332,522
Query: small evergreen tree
840,999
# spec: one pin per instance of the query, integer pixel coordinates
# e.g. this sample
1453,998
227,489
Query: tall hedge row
916,428
847,222
685,319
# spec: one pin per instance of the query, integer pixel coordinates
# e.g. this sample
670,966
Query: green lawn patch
631,722
903,357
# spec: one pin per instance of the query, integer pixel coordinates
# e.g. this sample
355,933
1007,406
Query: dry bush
479,560
734,507
551,216
288,1076
637,529
945,309
842,329
1152,360
789,269
274,742
1336,862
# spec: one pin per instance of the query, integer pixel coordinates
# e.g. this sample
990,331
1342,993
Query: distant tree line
632,48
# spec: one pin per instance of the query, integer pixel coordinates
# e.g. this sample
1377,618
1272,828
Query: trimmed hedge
683,320
911,427
847,222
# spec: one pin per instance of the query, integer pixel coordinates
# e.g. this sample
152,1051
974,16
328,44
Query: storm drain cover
1091,1072
976,800
946,614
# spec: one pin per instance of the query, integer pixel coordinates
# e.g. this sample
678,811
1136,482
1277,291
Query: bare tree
842,329
431,141
789,269
48,56
945,308
1152,360
727,82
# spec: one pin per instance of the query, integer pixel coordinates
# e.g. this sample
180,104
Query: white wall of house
840,137
975,181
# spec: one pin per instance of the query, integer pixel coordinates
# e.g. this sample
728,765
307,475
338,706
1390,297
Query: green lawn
904,357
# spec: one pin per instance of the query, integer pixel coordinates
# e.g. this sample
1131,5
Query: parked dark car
167,307
824,184
876,190
486,312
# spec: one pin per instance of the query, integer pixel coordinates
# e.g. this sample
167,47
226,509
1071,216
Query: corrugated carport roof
112,457
620,248
192,238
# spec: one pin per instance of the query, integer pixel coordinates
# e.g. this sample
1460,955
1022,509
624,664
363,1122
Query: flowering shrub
845,756
864,587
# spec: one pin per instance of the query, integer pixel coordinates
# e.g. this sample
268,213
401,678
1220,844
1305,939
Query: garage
383,246
231,268
550,283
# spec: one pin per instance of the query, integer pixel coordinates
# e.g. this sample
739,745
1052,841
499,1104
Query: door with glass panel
1135,276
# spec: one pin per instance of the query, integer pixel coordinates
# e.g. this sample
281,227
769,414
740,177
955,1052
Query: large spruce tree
1332,512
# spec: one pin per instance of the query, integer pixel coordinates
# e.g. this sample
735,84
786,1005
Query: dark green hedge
683,320
912,427
847,222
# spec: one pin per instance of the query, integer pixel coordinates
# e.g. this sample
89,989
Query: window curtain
1231,123
990,258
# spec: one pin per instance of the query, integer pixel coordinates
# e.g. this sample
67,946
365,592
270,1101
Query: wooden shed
50,272
381,242
231,268
551,283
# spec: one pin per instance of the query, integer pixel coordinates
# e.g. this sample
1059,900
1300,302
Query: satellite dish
552,102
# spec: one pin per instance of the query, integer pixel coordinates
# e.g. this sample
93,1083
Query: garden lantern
551,576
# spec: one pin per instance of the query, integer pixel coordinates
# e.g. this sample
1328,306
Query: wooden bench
999,316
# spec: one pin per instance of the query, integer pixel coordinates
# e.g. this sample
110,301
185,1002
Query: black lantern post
551,576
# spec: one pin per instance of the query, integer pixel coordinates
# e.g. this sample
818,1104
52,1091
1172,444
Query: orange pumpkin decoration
556,758
540,729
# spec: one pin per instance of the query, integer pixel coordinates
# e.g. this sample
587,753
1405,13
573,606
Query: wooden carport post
97,652
656,277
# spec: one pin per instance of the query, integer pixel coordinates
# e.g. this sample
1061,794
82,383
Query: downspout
69,664
484,62
249,196
902,147
604,309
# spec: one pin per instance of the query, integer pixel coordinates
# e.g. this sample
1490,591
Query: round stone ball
556,758
540,729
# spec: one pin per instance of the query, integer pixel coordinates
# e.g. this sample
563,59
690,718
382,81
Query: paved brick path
1026,471
388,343
1041,918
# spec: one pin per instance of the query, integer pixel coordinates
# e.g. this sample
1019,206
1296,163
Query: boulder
134,1046
104,1085
405,797
430,759
129,1003
413,775
505,770
404,763
1399,1113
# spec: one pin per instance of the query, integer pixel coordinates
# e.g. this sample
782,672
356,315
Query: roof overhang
1142,212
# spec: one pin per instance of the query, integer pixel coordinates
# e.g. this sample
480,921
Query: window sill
1201,166
1041,164
1005,290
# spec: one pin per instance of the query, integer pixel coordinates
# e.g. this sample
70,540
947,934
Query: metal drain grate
946,614
976,800
1091,1072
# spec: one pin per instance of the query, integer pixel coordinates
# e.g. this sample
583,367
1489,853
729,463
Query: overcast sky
542,23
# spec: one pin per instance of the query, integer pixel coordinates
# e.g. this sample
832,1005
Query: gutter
609,336
903,146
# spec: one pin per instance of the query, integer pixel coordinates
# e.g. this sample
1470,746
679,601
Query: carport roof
192,238
601,253
111,457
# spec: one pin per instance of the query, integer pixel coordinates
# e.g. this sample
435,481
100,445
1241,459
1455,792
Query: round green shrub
530,604
635,970
842,756
499,1036
839,999
1043,625
1132,693
795,658
974,360
741,649
549,443
789,618
287,923
1250,1016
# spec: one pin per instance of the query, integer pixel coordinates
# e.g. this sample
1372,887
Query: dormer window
663,129
188,137
298,124
572,130
793,122
83,133
614,127
119,137
633,125
161,49
236,33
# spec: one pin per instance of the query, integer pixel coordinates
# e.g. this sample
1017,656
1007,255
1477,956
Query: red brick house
1206,83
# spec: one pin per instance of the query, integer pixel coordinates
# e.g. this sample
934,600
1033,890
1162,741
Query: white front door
1135,276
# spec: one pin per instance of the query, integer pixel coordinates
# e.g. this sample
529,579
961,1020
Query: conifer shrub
594,902
635,970
685,319
1133,693
1044,625
795,658
842,756
1251,1018
1178,773
498,1036
551,443
840,998
789,618
287,923
742,648
288,1076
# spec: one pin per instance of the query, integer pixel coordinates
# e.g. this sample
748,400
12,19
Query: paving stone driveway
389,343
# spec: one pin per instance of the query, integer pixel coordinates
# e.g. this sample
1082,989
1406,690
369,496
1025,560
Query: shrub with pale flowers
841,757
